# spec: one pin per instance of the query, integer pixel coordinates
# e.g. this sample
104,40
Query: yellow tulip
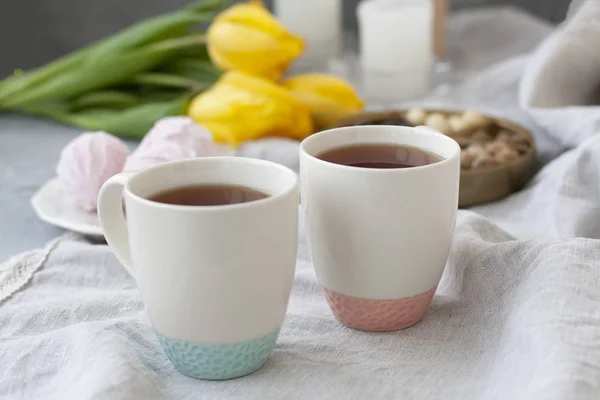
241,107
328,97
247,38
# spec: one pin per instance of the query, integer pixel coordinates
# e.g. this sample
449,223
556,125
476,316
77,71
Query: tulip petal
247,38
254,15
241,107
329,98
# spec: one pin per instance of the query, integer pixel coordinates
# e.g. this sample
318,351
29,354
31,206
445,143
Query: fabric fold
560,86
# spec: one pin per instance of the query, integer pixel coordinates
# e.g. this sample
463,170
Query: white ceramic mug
379,238
215,280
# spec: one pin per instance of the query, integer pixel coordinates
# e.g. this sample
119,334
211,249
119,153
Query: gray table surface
29,150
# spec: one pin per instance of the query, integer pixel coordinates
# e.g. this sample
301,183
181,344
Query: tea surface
208,195
380,156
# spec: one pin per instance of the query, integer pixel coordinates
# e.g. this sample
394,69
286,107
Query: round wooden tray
477,186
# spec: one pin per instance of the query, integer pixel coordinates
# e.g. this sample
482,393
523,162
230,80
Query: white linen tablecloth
516,315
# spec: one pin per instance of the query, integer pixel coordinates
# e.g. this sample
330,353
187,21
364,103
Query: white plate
51,207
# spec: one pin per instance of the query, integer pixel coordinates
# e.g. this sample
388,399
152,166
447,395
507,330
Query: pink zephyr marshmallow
171,138
86,163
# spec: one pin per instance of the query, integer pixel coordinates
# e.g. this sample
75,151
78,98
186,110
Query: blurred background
33,32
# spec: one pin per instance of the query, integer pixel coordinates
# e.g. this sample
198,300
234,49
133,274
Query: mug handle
112,218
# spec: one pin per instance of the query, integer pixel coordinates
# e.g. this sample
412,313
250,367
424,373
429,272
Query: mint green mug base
218,361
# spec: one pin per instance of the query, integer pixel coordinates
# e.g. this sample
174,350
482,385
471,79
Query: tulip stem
207,5
167,80
180,42
109,70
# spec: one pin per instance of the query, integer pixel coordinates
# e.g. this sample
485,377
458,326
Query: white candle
396,35
318,22
396,48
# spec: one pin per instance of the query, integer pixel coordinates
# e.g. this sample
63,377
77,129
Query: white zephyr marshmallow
86,163
171,138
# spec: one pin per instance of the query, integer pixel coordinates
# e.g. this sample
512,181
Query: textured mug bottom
218,361
378,315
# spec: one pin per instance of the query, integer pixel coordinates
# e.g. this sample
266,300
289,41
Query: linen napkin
561,83
511,319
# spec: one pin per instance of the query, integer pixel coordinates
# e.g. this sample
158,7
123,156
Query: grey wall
34,31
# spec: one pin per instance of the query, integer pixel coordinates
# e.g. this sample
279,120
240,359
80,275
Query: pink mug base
378,315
